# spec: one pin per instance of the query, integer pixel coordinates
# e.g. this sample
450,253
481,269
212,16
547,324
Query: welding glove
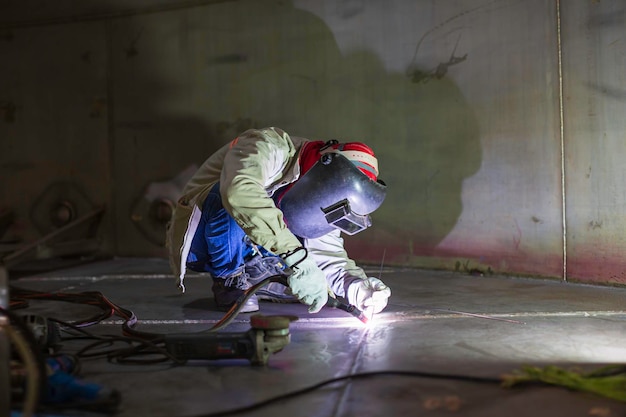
307,281
369,294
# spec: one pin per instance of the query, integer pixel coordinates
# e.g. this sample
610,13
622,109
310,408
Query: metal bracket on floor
77,237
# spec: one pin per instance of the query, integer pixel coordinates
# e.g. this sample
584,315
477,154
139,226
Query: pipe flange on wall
59,204
154,208
151,217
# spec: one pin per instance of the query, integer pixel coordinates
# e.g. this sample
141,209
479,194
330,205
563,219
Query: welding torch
282,279
332,301
348,308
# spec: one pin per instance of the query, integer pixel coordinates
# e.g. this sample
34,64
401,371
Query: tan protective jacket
250,169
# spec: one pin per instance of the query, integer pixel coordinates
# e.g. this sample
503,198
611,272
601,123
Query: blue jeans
219,246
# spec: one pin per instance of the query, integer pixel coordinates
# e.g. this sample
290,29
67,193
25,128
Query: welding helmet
339,191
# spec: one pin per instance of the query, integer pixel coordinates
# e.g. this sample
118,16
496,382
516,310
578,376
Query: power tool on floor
267,335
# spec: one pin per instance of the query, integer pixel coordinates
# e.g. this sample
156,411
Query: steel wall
498,124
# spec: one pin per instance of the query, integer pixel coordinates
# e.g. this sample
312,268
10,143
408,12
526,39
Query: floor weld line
210,321
565,313
168,322
580,314
99,277
347,387
386,318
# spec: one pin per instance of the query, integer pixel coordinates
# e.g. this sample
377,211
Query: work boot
259,268
227,291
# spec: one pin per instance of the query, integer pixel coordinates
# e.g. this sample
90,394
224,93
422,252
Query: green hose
608,381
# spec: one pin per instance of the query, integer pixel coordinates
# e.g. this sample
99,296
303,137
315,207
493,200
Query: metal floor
436,322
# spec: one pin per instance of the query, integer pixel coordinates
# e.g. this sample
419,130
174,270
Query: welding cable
241,301
234,310
109,308
139,352
30,352
143,346
88,298
17,303
147,343
145,353
362,375
146,340
93,298
79,332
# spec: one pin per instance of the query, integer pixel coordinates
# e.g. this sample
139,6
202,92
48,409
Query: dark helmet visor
333,194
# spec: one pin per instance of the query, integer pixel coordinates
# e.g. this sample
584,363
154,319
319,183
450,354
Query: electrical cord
19,297
362,375
130,320
94,298
142,347
140,343
135,347
79,332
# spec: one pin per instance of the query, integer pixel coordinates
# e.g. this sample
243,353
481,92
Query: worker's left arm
344,277
257,161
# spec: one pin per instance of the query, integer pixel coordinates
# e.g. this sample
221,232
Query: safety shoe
259,268
227,291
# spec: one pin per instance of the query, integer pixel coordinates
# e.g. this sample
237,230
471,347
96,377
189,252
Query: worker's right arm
258,161
344,277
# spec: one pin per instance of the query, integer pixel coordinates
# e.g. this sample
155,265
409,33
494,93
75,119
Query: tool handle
210,346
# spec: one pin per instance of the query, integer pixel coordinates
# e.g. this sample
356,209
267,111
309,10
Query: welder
269,203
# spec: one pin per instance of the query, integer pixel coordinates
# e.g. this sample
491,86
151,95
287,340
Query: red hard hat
358,153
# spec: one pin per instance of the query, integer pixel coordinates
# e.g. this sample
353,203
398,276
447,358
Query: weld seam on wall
561,136
111,126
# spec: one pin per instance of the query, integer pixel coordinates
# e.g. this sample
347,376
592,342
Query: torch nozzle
332,302
348,308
